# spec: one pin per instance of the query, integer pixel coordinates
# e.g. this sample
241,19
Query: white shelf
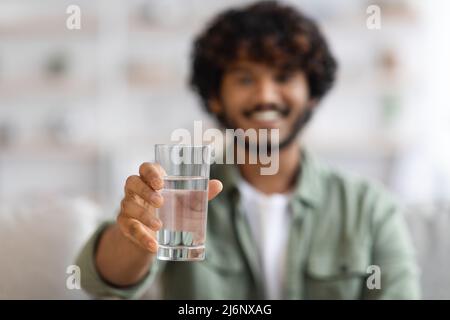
32,88
32,151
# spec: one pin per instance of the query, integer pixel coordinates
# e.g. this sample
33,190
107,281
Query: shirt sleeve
393,255
96,286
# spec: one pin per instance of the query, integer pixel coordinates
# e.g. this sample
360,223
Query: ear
313,103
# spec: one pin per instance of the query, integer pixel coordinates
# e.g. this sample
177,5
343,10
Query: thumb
215,186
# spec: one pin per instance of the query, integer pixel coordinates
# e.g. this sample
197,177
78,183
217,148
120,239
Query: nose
267,92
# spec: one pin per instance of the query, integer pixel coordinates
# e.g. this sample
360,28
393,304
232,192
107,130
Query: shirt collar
308,188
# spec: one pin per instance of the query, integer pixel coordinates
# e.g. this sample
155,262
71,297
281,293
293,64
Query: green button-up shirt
347,240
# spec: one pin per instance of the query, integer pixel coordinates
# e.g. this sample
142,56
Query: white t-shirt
269,218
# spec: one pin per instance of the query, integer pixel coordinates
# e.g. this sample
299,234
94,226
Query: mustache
283,109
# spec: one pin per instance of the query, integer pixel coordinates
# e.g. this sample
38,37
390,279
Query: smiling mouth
267,113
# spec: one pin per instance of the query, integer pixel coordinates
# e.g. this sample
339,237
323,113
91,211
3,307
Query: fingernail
156,198
157,183
152,245
156,223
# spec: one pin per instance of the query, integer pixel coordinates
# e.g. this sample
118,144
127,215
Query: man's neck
283,180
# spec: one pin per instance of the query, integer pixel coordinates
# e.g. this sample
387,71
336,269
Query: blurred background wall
81,109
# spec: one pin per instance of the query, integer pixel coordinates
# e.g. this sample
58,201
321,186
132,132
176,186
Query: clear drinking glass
184,212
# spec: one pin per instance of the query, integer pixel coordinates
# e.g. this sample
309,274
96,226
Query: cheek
234,100
297,97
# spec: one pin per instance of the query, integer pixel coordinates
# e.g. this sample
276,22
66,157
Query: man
306,232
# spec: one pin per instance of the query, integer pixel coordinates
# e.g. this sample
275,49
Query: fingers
152,174
144,214
215,186
135,185
137,233
137,219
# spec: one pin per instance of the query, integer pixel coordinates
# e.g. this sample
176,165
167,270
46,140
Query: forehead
246,65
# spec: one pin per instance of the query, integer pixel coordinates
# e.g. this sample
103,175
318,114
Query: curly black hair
267,32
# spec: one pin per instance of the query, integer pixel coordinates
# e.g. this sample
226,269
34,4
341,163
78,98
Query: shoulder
358,198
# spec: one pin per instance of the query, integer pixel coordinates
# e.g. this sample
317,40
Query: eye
283,77
244,80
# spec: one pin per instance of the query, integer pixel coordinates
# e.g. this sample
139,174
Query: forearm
119,261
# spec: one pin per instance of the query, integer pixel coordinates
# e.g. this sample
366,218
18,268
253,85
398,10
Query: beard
299,123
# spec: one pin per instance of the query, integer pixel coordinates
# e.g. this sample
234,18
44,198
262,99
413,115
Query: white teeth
268,115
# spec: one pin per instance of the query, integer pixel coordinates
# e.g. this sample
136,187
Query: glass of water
184,212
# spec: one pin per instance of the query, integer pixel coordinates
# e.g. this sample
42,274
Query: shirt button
344,268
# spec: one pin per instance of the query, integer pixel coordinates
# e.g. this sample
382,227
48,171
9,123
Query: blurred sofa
430,230
39,239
